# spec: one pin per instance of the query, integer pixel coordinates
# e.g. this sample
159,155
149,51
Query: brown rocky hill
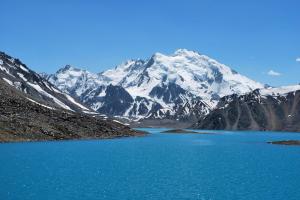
33,109
256,111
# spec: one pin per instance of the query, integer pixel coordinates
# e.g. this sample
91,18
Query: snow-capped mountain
37,89
179,86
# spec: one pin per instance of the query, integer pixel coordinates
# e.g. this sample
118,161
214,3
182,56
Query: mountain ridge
32,109
177,90
165,83
18,75
276,109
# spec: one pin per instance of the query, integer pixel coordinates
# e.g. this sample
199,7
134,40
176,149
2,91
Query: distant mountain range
183,86
185,89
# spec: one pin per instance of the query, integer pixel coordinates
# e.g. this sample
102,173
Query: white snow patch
43,92
47,85
120,122
24,69
279,90
40,104
4,69
102,93
90,112
8,81
18,85
56,90
22,76
74,102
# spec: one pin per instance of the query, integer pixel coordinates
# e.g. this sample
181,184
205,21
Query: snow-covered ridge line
158,87
36,86
275,91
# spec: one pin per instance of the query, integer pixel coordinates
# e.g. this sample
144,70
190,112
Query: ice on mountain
22,77
8,81
43,92
40,104
24,69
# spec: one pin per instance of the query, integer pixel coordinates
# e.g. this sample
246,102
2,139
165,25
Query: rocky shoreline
24,120
286,142
182,131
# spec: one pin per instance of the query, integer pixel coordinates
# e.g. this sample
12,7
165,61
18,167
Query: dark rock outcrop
254,111
179,131
286,142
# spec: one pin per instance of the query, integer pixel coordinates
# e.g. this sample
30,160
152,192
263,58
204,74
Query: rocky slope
29,113
183,86
18,75
265,109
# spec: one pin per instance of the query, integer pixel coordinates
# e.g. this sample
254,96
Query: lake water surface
227,165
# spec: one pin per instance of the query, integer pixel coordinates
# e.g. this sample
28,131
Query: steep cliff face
266,109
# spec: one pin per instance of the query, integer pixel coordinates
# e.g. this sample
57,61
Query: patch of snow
279,91
22,76
12,60
102,93
118,122
90,112
47,85
56,90
24,69
18,85
8,81
74,102
11,66
4,69
40,104
43,92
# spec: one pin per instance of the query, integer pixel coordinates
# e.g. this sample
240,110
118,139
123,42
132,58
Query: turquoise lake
226,165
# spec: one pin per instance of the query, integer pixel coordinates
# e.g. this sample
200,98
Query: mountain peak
178,52
162,80
69,68
157,55
185,52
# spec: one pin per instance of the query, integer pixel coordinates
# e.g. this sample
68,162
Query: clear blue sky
253,37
